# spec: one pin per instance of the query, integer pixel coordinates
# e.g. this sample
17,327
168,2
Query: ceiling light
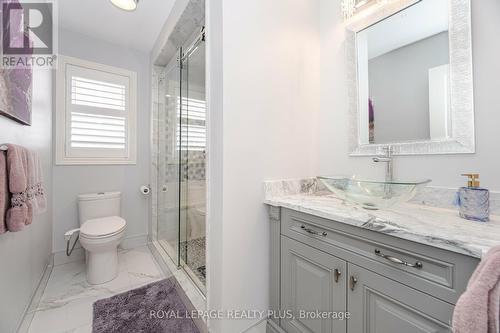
128,5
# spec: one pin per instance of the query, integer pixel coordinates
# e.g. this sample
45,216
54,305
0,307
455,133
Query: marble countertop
438,227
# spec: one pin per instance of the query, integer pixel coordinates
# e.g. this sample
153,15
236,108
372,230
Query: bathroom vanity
399,269
395,270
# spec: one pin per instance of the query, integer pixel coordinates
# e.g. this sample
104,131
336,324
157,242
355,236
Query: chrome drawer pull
312,232
352,282
337,274
398,261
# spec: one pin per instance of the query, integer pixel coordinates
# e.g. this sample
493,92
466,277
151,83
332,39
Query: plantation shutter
98,114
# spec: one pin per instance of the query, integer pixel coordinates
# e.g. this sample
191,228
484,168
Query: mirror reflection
404,76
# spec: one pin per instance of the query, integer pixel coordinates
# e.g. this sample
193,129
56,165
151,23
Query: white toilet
101,230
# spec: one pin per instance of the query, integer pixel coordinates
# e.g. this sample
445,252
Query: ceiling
101,20
424,19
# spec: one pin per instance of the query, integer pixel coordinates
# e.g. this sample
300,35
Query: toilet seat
102,227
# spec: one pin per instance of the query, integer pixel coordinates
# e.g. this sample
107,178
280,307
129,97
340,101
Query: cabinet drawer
435,271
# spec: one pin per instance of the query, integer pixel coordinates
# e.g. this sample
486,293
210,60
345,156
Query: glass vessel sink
372,194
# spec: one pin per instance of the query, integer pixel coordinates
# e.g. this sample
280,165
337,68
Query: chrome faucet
387,158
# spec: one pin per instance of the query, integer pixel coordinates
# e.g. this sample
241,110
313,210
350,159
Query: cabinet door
313,283
378,304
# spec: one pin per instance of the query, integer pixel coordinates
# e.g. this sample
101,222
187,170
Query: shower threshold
186,276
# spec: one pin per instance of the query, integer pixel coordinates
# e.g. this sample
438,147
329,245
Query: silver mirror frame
461,77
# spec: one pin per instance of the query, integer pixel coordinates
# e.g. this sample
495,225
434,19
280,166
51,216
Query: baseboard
133,242
29,313
60,258
78,254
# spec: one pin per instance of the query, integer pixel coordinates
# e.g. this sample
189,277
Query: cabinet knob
352,282
336,274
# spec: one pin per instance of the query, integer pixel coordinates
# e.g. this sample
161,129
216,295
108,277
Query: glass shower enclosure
181,161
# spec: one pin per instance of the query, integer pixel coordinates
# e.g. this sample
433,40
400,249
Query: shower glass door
181,162
193,151
169,164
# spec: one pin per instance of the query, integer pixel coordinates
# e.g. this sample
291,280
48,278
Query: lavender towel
4,192
25,187
478,309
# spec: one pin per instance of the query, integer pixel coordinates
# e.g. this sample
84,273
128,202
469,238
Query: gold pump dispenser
474,201
473,179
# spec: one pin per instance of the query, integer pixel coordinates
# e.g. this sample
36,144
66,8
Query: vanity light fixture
127,5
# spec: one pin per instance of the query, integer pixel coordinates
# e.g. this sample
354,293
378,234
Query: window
96,113
191,125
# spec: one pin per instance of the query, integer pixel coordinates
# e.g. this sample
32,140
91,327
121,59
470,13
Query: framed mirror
410,78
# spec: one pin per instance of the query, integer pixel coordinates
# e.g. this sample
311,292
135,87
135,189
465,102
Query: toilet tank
96,205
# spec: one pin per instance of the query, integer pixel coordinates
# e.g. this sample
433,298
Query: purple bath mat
156,308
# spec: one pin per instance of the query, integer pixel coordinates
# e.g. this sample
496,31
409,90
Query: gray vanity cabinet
311,281
386,284
378,304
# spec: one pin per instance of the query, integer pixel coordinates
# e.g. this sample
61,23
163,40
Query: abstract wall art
15,94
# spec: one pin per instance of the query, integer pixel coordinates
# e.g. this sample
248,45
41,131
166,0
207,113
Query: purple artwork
15,94
16,85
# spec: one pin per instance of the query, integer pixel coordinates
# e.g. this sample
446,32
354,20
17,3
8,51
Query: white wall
445,170
263,102
25,254
69,181
399,89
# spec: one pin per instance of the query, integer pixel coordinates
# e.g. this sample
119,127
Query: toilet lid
103,226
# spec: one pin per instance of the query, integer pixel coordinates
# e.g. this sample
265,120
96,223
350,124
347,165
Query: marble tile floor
66,303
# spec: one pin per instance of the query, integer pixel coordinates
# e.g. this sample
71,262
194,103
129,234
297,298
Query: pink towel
4,192
35,183
25,187
478,309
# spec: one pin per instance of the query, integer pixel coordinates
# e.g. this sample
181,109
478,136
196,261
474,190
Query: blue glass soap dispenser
474,201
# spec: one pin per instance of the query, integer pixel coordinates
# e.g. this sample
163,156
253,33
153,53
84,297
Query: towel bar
4,148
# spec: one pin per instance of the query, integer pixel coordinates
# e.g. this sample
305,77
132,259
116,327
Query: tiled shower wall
165,167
